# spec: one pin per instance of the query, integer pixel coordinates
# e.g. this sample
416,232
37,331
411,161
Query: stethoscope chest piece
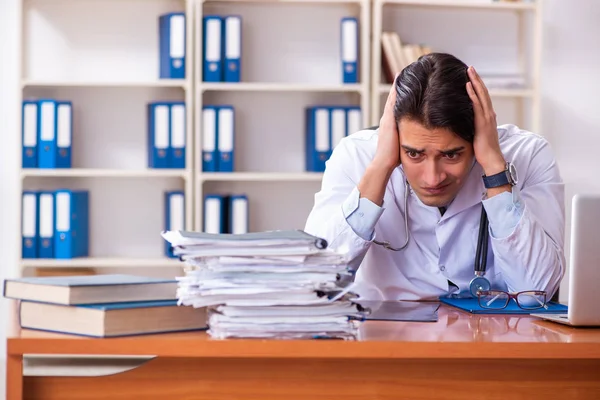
479,283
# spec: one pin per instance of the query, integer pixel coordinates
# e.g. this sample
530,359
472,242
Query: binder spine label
30,133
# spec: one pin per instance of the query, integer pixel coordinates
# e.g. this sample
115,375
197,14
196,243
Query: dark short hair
432,91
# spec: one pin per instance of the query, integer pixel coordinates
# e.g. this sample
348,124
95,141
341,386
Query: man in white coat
405,200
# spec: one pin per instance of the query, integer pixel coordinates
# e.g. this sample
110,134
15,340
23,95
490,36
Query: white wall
570,117
571,83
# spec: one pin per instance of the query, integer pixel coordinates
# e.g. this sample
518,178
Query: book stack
276,284
102,305
398,55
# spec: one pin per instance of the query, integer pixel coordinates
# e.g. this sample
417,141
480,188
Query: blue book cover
129,305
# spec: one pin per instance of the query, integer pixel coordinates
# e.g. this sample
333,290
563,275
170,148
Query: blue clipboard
472,305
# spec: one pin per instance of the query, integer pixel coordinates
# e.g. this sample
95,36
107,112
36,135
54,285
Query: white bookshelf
473,4
175,83
261,177
105,173
290,60
497,37
104,57
279,87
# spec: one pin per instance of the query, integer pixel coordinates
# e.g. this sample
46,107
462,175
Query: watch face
512,170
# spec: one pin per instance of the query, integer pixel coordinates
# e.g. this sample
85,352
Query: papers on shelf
504,81
277,284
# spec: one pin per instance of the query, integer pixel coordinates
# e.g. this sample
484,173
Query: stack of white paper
279,284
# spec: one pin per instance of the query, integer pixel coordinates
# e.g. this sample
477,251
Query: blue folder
472,305
172,45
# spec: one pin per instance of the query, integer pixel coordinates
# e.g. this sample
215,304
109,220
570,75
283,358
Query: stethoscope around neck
479,282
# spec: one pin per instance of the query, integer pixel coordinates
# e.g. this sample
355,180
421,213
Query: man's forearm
525,254
374,181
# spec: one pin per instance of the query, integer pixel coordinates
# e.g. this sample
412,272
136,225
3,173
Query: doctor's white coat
439,258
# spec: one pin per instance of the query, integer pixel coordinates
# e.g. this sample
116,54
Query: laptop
584,268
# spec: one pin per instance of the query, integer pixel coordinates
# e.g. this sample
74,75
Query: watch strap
496,180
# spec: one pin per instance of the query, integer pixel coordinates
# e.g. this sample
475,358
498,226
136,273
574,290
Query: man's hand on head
388,145
486,145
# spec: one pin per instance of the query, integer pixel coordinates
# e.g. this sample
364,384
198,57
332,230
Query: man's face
436,162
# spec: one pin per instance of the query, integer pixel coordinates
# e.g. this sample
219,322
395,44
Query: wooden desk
461,356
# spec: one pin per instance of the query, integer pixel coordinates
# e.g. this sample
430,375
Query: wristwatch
506,177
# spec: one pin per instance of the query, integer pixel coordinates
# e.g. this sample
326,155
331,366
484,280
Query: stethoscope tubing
480,263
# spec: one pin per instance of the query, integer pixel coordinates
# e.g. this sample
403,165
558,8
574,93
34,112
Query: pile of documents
276,284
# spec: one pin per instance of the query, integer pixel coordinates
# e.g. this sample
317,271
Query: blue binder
238,214
232,50
71,235
174,216
211,54
318,138
158,134
215,213
349,49
46,224
226,138
47,133
354,121
64,133
29,224
29,127
210,125
177,135
172,45
339,129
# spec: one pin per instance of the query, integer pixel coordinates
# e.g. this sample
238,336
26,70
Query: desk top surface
456,334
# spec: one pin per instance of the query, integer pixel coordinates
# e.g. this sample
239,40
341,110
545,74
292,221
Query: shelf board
178,83
100,262
104,173
278,87
286,1
260,176
493,5
385,88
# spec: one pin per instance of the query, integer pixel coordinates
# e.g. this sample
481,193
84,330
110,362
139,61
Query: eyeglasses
499,299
